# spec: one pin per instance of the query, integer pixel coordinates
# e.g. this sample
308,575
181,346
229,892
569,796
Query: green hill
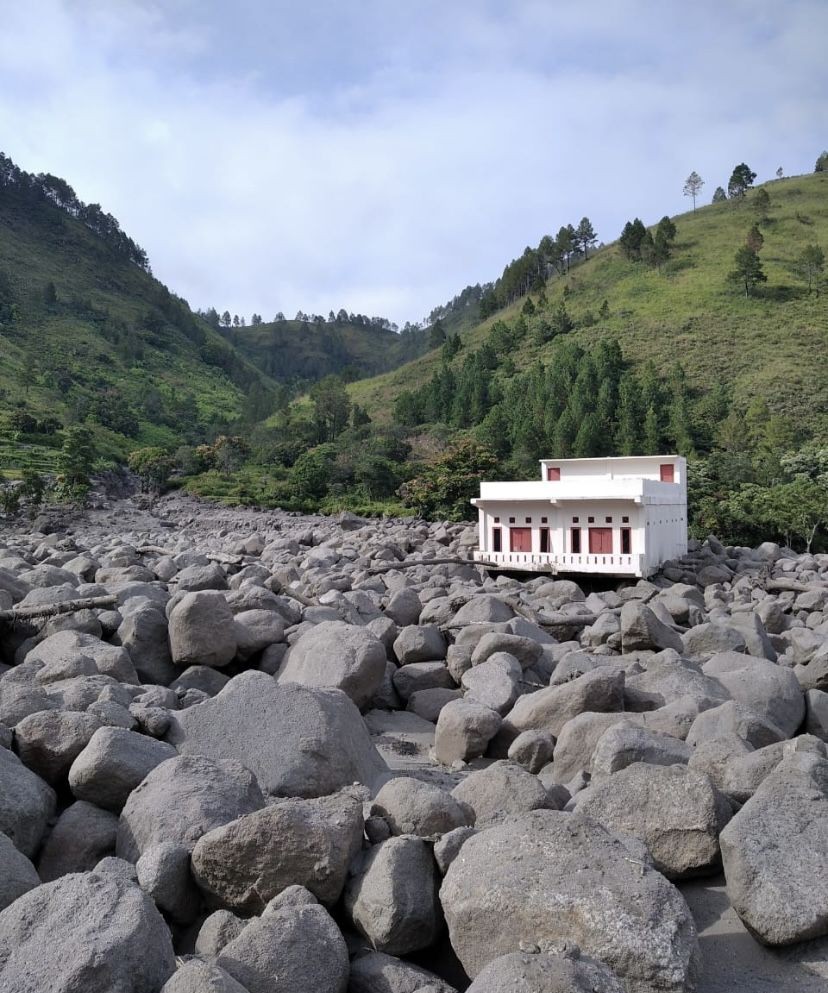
310,350
770,345
88,335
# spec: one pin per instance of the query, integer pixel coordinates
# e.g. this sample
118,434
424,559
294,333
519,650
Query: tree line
46,188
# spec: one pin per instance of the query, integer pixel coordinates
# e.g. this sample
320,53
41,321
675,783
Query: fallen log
15,614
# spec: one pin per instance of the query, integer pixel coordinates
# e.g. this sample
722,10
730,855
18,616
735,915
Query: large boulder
83,835
113,763
294,949
549,709
495,682
762,686
196,976
49,742
549,877
392,896
244,864
623,745
181,800
641,629
202,631
410,806
419,643
335,655
376,972
773,852
526,972
297,741
464,730
502,789
144,634
677,812
84,933
26,803
17,874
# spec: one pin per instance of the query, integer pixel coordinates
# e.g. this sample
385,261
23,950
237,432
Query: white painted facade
618,516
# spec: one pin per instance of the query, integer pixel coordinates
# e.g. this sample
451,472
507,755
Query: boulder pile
264,753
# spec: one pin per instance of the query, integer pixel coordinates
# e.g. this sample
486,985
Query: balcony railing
554,562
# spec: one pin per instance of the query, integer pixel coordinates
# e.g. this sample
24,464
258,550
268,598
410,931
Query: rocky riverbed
283,754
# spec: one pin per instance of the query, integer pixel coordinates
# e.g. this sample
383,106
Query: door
544,540
496,544
667,472
600,541
575,541
520,539
626,541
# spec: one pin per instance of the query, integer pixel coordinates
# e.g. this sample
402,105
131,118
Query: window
544,520
590,520
553,474
575,540
624,520
528,520
544,539
626,541
511,520
600,541
575,520
497,520
497,543
608,520
667,472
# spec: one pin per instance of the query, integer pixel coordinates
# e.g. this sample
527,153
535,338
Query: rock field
275,753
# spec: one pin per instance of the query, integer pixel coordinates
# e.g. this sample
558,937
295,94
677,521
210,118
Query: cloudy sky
379,155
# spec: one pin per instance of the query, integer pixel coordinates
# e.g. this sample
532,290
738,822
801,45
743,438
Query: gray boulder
144,634
296,740
201,977
734,718
26,803
410,806
495,682
17,874
501,790
419,643
49,742
181,800
392,896
376,972
763,687
163,873
623,745
675,811
414,677
113,763
482,609
549,709
816,713
335,655
641,629
523,972
404,607
245,863
464,730
550,877
256,630
525,650
84,933
532,750
83,835
292,950
218,930
202,631
773,852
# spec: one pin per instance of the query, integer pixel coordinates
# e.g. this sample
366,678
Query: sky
380,155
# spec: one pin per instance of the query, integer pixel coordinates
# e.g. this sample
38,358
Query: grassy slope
39,244
773,344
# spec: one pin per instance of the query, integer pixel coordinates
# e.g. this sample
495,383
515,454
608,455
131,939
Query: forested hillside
703,334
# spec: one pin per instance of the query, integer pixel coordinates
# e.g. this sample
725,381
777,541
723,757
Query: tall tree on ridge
692,187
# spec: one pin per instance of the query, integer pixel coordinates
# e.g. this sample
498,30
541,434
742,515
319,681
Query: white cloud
379,163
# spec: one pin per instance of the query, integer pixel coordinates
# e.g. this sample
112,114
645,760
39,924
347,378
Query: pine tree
692,187
719,195
585,236
565,431
761,201
740,181
754,239
630,414
590,439
748,271
810,264
651,440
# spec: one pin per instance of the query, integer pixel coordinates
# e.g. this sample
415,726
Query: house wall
642,467
665,525
560,522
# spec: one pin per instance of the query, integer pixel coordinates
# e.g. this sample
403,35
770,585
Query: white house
619,516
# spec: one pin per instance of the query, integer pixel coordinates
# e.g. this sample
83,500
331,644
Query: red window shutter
667,472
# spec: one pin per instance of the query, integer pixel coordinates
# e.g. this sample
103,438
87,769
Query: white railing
613,564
